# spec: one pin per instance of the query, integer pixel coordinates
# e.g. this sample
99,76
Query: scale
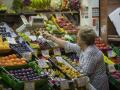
34,21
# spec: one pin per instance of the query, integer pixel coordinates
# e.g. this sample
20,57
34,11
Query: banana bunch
2,7
40,4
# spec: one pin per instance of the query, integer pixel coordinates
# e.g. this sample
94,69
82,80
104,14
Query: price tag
58,14
33,38
111,53
59,59
27,33
45,53
57,51
11,40
81,81
42,63
29,86
27,55
64,85
111,68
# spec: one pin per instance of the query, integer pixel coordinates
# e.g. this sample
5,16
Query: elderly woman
90,57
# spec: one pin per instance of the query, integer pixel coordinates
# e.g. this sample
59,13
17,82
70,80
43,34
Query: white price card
27,55
111,53
59,59
27,33
45,53
11,40
33,38
111,68
42,63
64,85
57,51
29,86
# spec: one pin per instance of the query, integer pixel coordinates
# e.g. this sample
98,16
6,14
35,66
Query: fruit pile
53,73
3,7
4,33
75,5
20,47
25,37
100,44
116,75
66,68
55,4
69,71
12,60
73,61
4,45
66,25
25,74
40,4
65,4
52,28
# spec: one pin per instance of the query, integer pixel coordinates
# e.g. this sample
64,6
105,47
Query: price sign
111,68
64,85
57,51
111,53
33,38
45,53
29,86
59,59
42,63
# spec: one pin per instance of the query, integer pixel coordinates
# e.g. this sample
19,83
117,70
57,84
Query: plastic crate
15,83
116,50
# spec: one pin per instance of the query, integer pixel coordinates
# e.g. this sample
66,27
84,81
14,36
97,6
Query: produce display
40,4
25,74
25,37
66,68
12,60
116,50
4,45
4,33
65,4
69,71
20,47
66,25
52,28
75,5
100,44
116,75
72,61
56,4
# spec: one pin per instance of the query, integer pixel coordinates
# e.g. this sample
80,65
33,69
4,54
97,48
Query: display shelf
114,39
36,12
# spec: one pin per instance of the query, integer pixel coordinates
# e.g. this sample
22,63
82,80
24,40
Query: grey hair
87,34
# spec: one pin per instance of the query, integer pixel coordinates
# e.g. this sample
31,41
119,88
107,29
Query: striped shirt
92,64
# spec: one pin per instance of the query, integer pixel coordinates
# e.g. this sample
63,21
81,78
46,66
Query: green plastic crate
17,84
116,50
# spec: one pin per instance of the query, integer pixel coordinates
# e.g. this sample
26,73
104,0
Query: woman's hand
47,35
58,41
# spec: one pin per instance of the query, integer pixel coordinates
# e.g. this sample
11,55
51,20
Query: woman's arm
58,41
69,47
